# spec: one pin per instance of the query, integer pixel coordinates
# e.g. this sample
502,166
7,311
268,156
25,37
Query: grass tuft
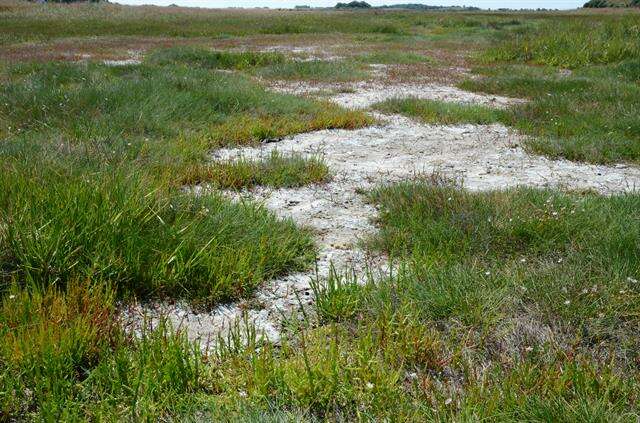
316,70
276,170
441,112
214,59
114,225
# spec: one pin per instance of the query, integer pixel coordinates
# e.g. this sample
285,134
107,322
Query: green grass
35,22
506,305
568,259
580,118
440,112
65,358
143,101
517,304
113,224
113,144
585,115
93,159
209,59
588,115
276,170
574,43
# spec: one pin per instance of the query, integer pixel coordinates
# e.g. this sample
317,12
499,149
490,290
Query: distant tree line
611,3
407,6
67,1
417,6
354,5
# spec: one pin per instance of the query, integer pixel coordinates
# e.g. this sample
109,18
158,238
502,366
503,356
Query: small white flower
448,401
631,280
412,375
523,260
11,297
567,302
560,260
487,273
243,394
369,385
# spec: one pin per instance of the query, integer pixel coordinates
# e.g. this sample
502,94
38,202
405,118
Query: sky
485,4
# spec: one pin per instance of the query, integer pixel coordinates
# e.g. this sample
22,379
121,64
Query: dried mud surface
483,157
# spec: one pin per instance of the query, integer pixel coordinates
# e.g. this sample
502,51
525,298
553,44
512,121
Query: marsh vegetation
518,304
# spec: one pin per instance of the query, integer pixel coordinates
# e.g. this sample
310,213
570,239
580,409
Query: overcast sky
485,4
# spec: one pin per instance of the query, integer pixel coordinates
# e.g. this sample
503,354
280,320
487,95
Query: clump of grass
116,225
284,28
564,244
247,129
50,338
276,170
214,59
316,70
626,70
64,357
441,112
387,28
45,324
109,142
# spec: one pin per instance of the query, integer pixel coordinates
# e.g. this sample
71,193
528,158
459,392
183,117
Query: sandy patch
362,95
484,157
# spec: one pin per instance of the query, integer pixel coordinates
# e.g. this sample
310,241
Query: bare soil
484,157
